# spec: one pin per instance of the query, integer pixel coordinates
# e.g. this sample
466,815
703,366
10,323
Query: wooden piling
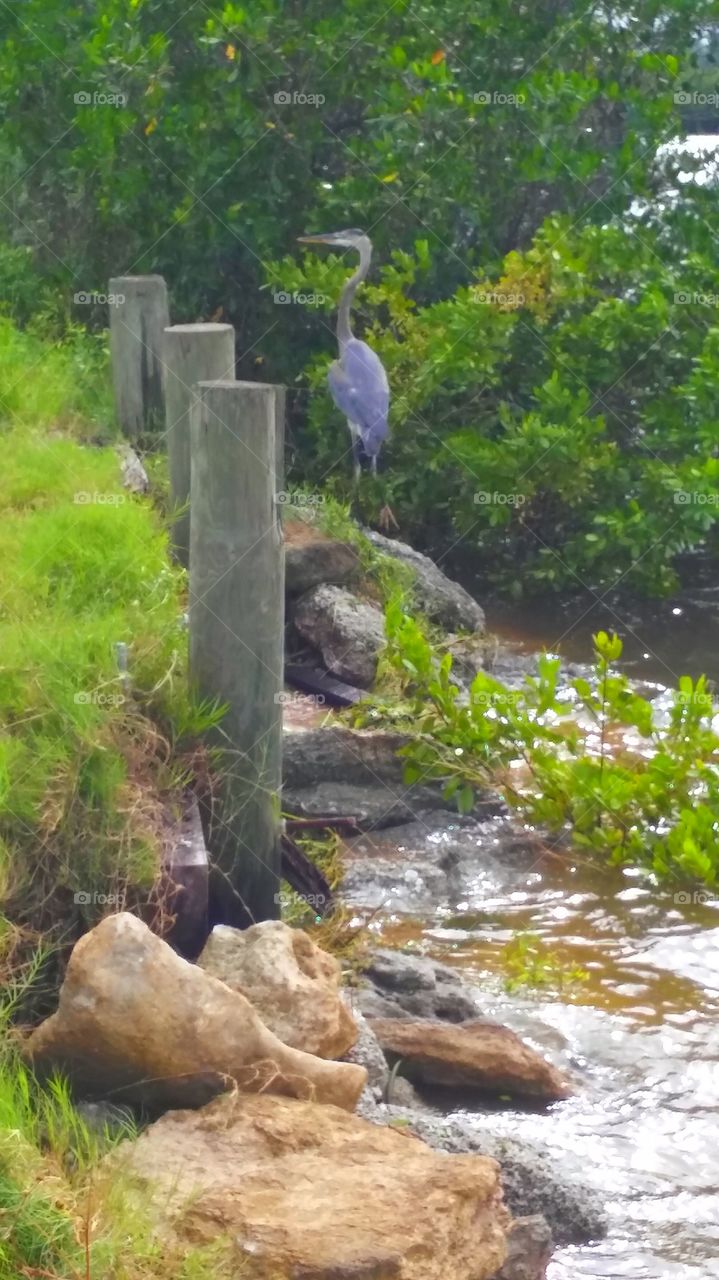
139,316
236,622
193,353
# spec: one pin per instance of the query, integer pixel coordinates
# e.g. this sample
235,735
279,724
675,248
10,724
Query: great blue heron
357,381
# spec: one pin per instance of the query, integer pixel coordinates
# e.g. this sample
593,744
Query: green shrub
573,434
654,804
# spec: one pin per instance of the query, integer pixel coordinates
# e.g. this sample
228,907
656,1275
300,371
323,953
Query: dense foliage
547,299
573,436
594,764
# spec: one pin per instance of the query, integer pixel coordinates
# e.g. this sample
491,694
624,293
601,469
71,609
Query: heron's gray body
359,387
357,381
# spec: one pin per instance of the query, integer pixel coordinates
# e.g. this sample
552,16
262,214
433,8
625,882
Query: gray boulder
529,1249
366,1051
411,986
371,807
441,599
347,632
336,753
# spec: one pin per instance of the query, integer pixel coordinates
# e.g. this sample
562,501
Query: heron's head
350,239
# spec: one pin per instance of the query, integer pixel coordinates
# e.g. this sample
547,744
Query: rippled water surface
641,1035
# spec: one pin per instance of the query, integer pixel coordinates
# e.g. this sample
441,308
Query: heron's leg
387,519
356,450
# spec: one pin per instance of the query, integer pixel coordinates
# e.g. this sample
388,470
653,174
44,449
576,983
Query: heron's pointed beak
319,239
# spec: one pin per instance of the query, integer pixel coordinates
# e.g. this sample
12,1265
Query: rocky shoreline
413,857
305,1119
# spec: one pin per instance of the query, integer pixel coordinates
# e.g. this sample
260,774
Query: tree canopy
545,284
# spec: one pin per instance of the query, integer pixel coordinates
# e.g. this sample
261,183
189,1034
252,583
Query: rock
403,1094
529,1249
134,475
476,1055
400,971
416,986
293,984
380,1087
533,1182
373,1005
139,1024
468,655
439,860
347,631
336,753
311,558
367,1053
312,1192
371,807
441,599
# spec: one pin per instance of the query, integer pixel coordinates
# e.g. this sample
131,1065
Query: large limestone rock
440,597
472,1055
312,558
140,1024
293,984
311,1192
347,631
536,1180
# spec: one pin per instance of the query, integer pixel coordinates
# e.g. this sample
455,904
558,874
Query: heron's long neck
344,328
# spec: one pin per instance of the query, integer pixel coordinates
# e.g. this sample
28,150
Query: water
641,1035
640,1038
661,642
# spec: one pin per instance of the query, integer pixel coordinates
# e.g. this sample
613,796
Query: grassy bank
92,771
65,1213
91,765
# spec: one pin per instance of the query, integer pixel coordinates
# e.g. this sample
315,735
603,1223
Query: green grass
65,1214
90,770
61,385
90,773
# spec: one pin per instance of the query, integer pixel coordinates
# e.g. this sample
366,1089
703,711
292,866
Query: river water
641,1035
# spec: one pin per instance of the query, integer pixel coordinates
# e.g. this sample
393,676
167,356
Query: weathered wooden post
193,353
236,621
139,315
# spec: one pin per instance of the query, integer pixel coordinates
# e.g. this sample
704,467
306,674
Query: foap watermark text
96,98
90,298
93,899
316,902
494,98
485,499
293,98
298,498
85,498
99,698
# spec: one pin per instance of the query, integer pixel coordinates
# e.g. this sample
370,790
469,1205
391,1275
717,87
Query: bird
357,380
